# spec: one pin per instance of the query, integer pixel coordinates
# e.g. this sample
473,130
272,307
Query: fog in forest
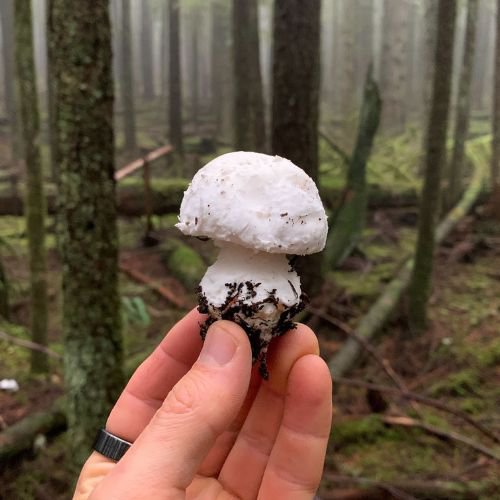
109,112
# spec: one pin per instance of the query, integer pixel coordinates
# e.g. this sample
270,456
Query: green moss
365,430
183,262
461,383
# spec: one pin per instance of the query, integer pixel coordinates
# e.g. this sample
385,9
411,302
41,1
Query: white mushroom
257,208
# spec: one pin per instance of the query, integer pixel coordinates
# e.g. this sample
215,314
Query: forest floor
457,361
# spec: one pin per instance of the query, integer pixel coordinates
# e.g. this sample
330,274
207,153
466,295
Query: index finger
155,377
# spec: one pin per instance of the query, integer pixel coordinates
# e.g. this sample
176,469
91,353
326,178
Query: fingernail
219,347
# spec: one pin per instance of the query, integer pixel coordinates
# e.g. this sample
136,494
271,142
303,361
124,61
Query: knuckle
186,396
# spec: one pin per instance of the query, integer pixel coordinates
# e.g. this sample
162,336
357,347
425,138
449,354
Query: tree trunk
7,20
435,157
35,202
393,68
195,67
4,294
93,351
147,78
250,129
174,73
127,82
463,107
349,221
296,78
495,143
222,88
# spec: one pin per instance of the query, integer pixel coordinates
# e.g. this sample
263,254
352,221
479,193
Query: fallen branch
20,436
419,488
161,290
29,345
140,162
434,403
378,314
441,433
340,152
386,366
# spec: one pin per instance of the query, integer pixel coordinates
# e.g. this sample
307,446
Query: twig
426,488
29,345
434,403
159,289
386,366
140,162
343,155
449,435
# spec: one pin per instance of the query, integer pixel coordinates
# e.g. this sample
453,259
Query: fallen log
166,197
378,314
419,488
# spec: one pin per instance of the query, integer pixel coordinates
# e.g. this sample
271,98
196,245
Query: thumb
169,451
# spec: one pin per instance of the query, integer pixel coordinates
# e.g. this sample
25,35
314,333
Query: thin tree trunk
7,20
147,78
93,350
393,69
175,96
4,294
127,82
51,107
435,156
349,220
249,117
195,67
463,106
296,79
495,143
35,202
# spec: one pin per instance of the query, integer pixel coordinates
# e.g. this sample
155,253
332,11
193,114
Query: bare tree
249,117
35,200
435,156
174,73
463,106
296,77
93,349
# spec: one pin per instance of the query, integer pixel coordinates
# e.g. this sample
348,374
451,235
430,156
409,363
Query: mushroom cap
257,201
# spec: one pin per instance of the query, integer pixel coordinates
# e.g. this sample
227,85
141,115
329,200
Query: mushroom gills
259,291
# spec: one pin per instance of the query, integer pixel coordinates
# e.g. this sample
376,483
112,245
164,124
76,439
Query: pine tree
250,129
463,106
174,73
35,200
435,156
296,78
7,21
93,349
127,81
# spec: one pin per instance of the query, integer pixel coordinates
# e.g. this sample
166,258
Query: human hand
204,424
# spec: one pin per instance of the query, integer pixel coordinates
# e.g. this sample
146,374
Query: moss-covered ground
456,362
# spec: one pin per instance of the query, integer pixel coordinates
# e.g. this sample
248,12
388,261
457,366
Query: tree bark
296,78
463,107
35,202
435,157
4,294
393,68
249,117
127,82
495,143
147,76
93,348
349,220
195,19
174,74
222,72
7,20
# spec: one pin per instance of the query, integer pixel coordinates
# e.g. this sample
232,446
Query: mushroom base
262,320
